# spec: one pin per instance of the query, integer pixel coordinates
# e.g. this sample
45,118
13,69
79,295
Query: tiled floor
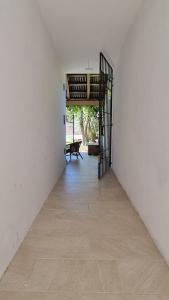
87,243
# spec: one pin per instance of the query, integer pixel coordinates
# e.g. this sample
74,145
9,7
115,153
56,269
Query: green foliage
71,111
87,117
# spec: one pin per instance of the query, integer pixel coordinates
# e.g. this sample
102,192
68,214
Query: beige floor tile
54,222
66,203
142,297
74,222
105,273
108,296
42,275
66,275
127,227
78,275
17,274
88,226
110,248
103,296
75,192
86,275
109,276
119,209
87,243
37,296
70,296
60,246
144,276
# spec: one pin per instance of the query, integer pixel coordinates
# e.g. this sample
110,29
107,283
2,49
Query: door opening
89,113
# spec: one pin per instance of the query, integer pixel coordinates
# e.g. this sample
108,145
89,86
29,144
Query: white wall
31,121
141,131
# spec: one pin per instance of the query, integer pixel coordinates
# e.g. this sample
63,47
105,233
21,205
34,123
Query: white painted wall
31,121
141,131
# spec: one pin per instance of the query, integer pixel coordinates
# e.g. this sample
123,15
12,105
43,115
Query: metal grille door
105,116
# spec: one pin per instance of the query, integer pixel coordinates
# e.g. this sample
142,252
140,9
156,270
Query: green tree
87,117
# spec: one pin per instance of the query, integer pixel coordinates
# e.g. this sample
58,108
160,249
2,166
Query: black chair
74,149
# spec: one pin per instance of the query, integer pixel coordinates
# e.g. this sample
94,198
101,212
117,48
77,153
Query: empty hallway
87,243
64,234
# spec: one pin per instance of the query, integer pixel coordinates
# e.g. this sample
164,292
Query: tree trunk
86,131
82,128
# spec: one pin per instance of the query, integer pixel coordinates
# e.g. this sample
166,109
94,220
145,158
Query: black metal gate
105,116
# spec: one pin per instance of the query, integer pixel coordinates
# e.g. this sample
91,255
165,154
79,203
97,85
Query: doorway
82,125
89,114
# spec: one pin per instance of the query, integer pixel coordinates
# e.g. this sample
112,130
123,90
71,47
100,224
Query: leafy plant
87,117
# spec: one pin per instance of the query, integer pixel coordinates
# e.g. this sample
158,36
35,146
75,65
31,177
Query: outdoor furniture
73,149
93,149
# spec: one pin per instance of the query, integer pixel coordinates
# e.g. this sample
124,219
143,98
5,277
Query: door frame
105,116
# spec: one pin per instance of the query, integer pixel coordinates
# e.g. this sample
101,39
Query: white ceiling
82,28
